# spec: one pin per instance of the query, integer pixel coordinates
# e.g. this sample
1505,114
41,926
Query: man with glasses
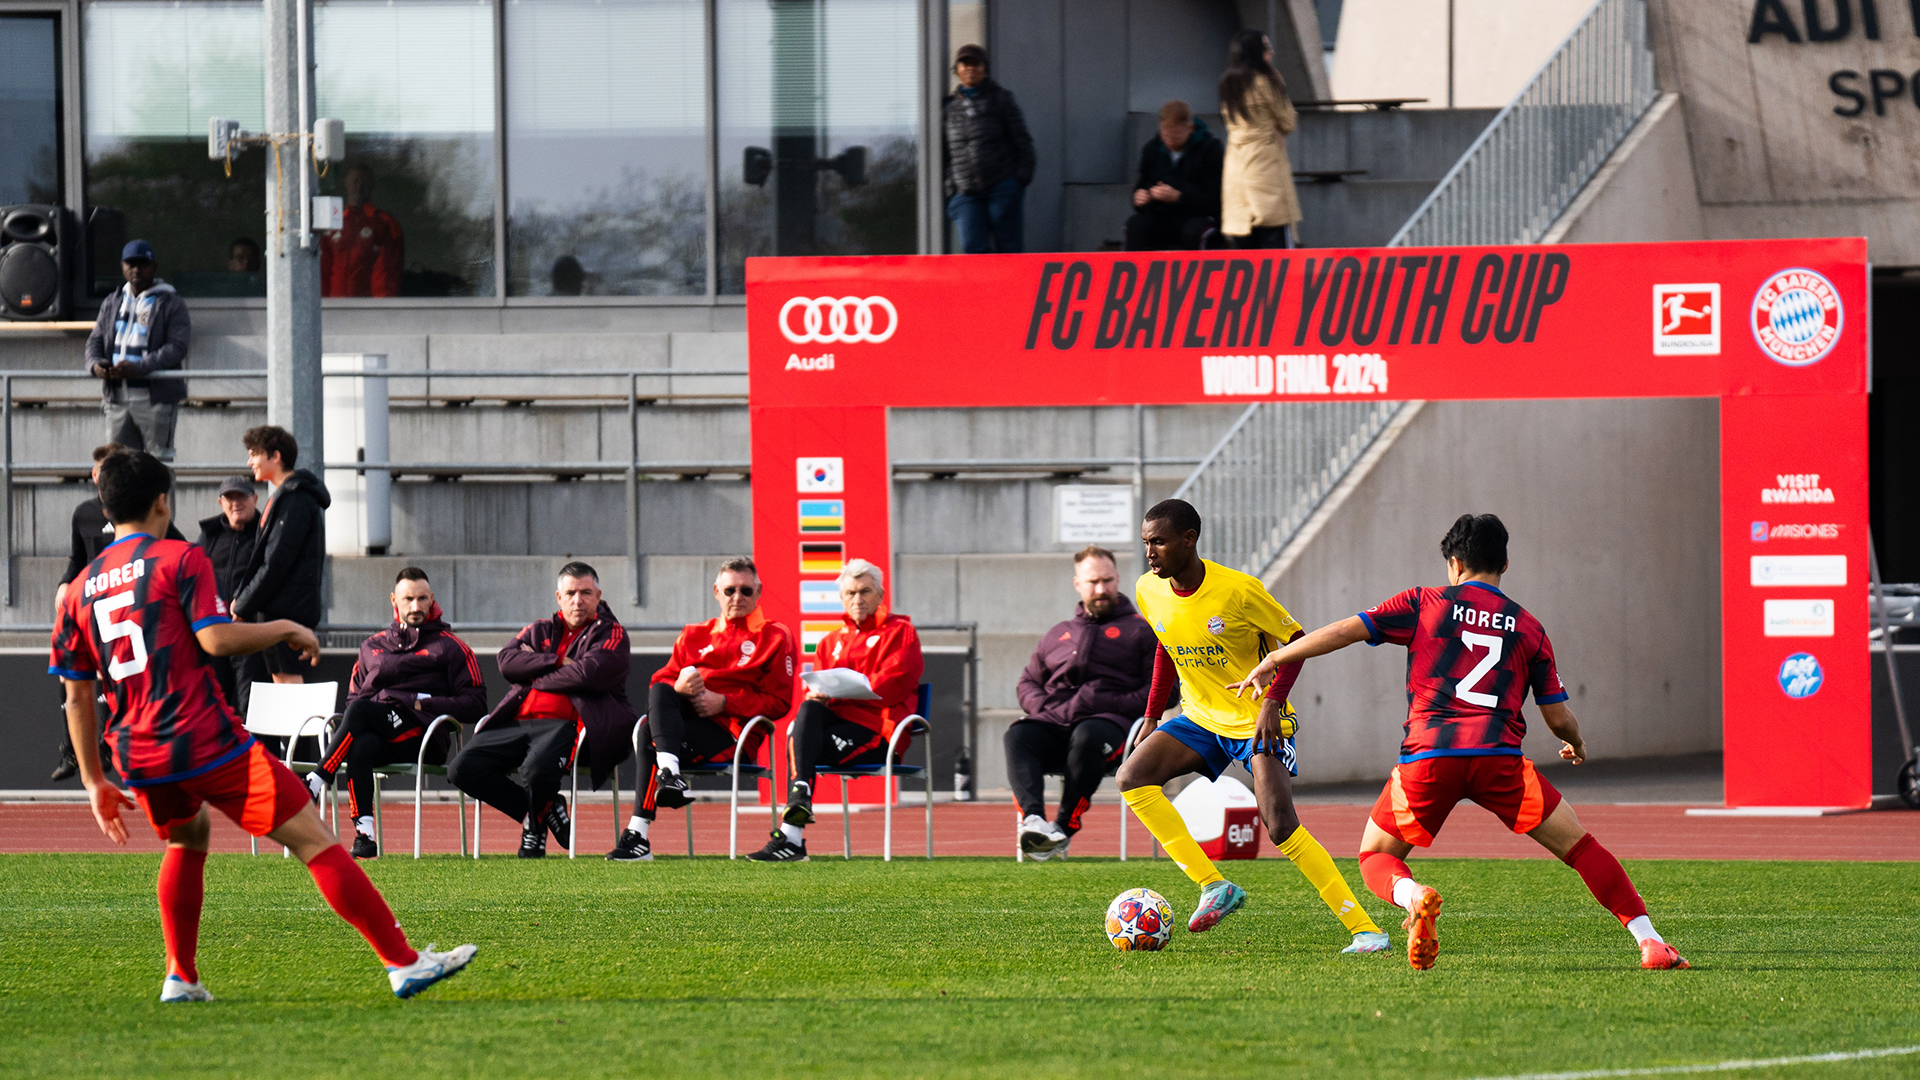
722,674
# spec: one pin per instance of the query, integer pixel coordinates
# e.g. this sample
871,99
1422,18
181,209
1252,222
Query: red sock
354,899
1606,879
183,887
1380,870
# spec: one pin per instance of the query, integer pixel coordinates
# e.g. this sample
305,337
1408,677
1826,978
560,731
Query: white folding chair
734,772
914,724
573,802
1133,739
292,711
420,770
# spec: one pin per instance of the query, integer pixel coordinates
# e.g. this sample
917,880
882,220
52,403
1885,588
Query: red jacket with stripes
402,662
747,661
886,649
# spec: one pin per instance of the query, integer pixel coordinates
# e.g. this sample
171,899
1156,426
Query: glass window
155,73
606,148
29,110
413,81
818,154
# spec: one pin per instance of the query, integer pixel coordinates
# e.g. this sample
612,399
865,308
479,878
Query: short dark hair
1094,551
1176,512
271,440
578,569
105,451
739,564
1479,541
411,573
970,54
130,481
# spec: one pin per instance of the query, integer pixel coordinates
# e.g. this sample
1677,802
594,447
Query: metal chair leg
379,822
689,830
928,776
846,822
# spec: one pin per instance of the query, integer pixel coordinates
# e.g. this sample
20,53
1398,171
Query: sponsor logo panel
845,320
1801,675
1797,317
1798,618
1796,570
1686,320
1795,489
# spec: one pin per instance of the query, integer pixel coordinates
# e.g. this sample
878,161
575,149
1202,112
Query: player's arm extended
1330,638
239,639
1560,721
83,726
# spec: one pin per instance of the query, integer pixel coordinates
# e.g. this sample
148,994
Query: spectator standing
282,579
364,256
1258,206
142,328
228,538
1085,686
988,161
1176,193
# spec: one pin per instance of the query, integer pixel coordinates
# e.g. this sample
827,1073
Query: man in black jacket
989,158
1176,194
1085,686
282,579
228,539
142,328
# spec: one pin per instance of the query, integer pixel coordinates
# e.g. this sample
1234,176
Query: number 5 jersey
1472,655
129,621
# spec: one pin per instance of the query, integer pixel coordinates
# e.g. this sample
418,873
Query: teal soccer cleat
1217,901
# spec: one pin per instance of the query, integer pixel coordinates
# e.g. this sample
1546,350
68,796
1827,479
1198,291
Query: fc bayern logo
1797,317
1801,675
1217,625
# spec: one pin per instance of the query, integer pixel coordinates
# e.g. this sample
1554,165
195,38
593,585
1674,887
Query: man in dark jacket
1176,194
989,158
1085,686
228,539
282,580
569,672
142,328
407,676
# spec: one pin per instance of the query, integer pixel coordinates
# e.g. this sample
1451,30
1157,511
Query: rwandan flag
823,515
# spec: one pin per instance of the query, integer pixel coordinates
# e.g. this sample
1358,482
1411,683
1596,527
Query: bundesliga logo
1797,317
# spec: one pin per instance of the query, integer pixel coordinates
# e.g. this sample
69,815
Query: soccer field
960,967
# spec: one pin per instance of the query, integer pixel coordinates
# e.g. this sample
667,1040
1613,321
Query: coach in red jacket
407,675
722,674
569,672
842,731
1082,691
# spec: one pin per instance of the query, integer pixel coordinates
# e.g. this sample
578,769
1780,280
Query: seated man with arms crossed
407,674
1082,691
840,731
568,671
722,674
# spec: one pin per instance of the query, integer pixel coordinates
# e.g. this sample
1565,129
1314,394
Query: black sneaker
364,847
781,849
69,763
632,848
799,811
670,790
533,842
557,823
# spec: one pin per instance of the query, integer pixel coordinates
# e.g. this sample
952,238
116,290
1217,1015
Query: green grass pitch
960,967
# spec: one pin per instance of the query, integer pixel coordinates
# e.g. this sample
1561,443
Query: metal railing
1530,163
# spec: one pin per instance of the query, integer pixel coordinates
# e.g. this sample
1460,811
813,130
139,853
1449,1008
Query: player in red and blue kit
143,619
1473,655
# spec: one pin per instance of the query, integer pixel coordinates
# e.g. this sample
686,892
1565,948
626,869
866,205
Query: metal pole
293,271
6,511
633,490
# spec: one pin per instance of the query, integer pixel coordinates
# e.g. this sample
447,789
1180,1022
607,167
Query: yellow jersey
1216,636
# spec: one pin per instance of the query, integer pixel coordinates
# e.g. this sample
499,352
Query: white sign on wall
1094,514
1799,618
1791,570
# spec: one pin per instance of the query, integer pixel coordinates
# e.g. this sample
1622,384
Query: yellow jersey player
1213,622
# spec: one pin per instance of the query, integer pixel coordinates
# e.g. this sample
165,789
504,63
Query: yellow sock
1151,806
1317,867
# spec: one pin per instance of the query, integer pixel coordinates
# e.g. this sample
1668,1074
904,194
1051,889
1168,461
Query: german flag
823,557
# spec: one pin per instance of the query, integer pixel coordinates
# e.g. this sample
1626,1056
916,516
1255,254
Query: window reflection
817,129
29,110
606,145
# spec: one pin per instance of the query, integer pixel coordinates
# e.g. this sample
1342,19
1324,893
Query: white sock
364,826
669,762
1405,891
638,824
794,833
1642,929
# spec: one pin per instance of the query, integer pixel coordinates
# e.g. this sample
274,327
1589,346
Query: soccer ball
1139,920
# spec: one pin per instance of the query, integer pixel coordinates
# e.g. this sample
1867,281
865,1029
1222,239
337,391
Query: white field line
1720,1066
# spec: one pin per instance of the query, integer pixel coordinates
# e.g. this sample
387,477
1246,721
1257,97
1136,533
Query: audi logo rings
846,320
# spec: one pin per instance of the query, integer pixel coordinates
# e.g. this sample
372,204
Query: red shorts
1420,794
255,790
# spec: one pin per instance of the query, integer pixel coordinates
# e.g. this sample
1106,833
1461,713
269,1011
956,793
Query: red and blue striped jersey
129,621
1472,655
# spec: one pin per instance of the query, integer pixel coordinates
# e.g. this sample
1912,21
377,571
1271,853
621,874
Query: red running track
1632,832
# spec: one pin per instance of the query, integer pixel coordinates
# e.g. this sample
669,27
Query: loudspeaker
36,262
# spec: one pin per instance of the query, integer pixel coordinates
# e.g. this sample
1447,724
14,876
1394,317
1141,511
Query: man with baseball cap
143,328
228,538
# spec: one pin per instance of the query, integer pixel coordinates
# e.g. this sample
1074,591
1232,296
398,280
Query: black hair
129,482
271,440
1176,512
411,573
578,569
1246,60
106,450
1479,541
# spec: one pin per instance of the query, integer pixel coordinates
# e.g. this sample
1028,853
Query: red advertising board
1776,328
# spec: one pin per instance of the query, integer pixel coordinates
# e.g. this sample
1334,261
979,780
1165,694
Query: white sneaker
1038,836
176,988
430,968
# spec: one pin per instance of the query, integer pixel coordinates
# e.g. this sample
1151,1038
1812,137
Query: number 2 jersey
1472,655
129,622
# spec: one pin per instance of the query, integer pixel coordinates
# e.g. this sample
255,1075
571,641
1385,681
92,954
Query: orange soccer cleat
1660,956
1423,941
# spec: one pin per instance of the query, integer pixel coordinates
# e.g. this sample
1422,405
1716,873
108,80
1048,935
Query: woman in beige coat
1258,207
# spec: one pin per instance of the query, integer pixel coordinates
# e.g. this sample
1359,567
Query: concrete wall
1398,48
1644,192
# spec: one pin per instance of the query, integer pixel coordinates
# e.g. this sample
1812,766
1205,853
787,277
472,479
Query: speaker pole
293,268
